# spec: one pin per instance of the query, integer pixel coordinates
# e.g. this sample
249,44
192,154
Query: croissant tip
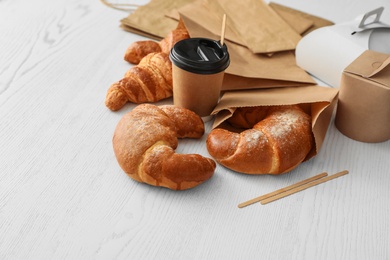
111,107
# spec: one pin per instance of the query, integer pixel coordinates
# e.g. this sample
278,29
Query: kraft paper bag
154,20
301,22
257,27
249,70
363,112
317,101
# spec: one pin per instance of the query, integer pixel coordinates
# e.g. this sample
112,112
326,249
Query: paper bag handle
377,12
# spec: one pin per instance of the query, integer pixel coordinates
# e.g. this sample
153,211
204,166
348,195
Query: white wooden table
63,195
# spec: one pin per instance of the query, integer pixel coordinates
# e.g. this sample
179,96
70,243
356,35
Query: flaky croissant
145,140
275,140
139,49
149,81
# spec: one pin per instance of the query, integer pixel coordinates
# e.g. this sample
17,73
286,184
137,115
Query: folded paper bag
363,111
257,27
251,70
317,101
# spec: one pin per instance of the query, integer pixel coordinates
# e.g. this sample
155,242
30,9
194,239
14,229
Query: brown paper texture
363,112
298,23
300,20
317,101
257,27
234,82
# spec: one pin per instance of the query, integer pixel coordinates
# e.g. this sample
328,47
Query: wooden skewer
303,187
223,29
268,195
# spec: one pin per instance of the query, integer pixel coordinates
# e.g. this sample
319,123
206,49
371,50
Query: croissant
275,140
139,49
144,144
149,81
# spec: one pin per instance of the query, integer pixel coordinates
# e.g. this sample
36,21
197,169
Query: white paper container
327,51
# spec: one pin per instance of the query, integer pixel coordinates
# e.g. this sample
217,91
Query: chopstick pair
294,188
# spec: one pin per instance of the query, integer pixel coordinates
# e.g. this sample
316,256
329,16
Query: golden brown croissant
149,81
137,50
145,140
275,140
180,33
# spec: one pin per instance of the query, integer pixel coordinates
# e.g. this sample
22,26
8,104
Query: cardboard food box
363,111
317,101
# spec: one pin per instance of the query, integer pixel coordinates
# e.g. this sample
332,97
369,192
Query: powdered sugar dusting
286,122
254,138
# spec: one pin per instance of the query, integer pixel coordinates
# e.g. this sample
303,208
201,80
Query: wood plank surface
63,195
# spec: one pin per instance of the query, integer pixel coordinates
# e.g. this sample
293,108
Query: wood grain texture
63,195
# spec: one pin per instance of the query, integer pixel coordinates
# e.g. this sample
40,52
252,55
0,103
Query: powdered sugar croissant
145,140
274,140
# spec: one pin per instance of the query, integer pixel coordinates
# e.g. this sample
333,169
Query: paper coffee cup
198,68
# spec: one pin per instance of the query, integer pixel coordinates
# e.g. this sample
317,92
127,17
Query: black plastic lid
200,55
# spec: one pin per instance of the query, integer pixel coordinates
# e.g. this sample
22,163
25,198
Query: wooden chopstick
303,187
268,195
223,29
